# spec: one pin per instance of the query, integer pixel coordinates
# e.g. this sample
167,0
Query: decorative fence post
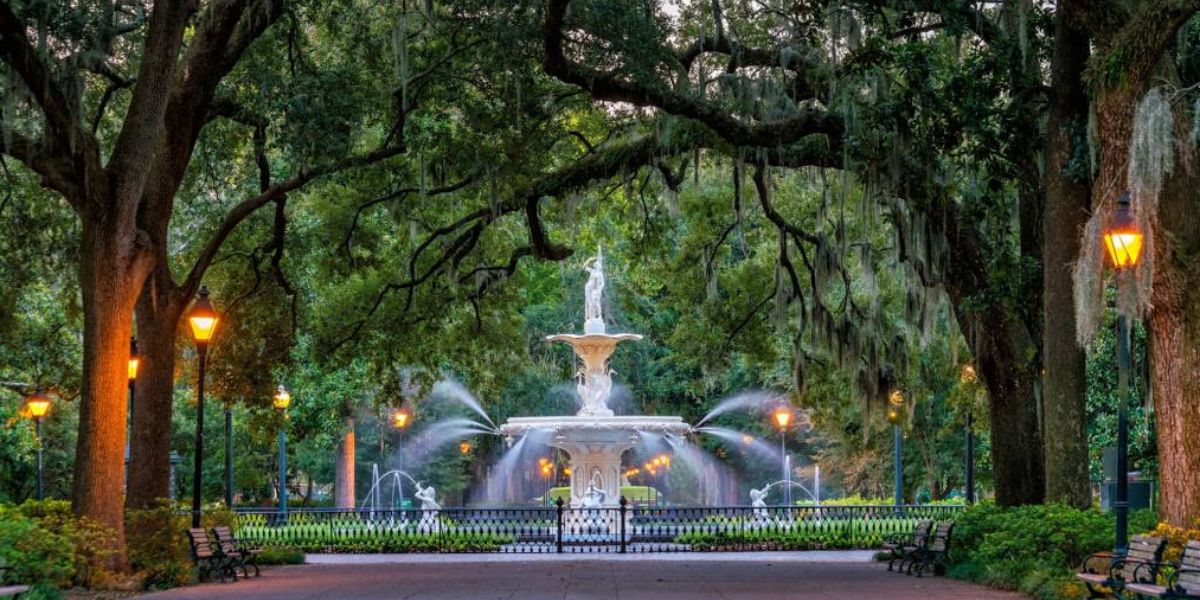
558,504
623,510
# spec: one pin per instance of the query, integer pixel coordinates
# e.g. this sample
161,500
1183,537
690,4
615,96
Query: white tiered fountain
594,438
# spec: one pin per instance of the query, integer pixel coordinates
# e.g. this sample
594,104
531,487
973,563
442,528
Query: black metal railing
559,529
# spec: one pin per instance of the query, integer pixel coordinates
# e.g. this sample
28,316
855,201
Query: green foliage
636,494
856,500
1033,549
817,534
33,553
351,535
157,547
281,556
90,543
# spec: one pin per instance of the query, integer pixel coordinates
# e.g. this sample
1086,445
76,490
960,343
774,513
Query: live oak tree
1145,145
105,103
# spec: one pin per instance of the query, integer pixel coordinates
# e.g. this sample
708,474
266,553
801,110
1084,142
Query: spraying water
751,400
454,390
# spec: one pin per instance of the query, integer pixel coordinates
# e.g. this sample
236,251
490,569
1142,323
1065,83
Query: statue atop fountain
593,291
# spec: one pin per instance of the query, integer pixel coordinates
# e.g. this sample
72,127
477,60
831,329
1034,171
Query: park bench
935,553
1183,580
239,554
901,548
208,556
1139,565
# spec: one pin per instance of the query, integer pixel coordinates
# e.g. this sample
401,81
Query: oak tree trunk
1068,197
1009,374
109,283
158,314
344,465
1174,344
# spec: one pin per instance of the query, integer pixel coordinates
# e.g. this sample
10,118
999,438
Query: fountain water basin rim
518,426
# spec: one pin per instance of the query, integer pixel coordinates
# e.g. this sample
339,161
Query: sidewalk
692,576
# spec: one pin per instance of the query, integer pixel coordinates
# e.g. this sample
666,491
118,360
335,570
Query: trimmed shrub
281,556
1033,549
158,547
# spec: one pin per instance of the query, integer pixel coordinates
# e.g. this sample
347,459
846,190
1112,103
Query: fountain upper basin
561,425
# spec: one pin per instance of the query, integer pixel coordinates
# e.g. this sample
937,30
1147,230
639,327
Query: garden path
746,576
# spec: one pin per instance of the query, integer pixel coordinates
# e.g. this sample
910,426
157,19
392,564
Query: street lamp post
895,416
783,417
38,404
1123,240
969,377
401,419
228,455
281,401
202,319
547,469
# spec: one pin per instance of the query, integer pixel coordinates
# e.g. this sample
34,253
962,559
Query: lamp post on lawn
38,404
228,455
547,469
969,377
895,416
401,419
783,418
1123,240
281,401
202,319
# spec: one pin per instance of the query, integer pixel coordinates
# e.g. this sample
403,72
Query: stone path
750,576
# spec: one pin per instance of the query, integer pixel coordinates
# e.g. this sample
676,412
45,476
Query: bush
739,533
281,556
1177,538
158,547
1033,549
88,543
33,554
857,500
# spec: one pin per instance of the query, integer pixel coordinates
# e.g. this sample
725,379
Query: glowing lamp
282,399
401,418
895,411
38,404
464,447
783,417
747,439
968,374
567,471
133,359
1122,238
202,318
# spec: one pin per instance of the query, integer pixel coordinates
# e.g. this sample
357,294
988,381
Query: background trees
828,199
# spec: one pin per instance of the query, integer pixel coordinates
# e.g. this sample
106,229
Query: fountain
594,438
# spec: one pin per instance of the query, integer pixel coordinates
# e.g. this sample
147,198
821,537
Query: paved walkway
750,576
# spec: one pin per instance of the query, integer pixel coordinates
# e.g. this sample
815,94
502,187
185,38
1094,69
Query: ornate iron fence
560,529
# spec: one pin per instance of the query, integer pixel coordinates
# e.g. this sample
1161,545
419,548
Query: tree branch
243,209
809,120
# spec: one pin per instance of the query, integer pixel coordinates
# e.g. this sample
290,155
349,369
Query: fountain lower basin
595,444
